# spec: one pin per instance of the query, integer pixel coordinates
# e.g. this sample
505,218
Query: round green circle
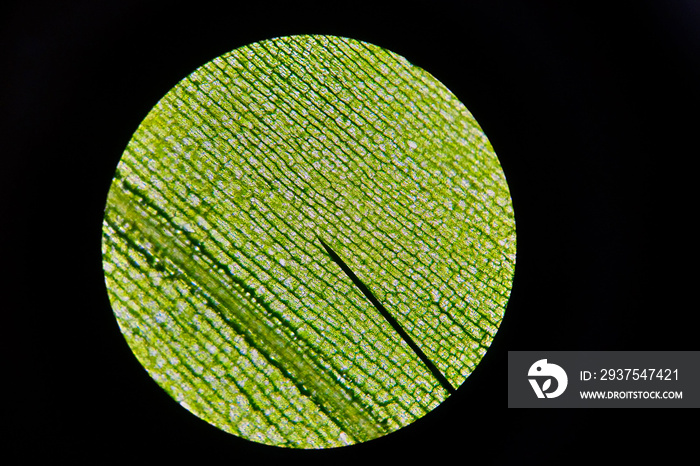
213,231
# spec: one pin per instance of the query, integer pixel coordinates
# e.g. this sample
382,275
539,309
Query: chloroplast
214,232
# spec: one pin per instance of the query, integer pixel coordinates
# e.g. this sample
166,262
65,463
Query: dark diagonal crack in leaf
389,318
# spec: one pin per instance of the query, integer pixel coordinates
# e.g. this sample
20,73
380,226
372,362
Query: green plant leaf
215,271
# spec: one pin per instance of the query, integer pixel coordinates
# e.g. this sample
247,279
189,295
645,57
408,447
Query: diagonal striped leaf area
214,268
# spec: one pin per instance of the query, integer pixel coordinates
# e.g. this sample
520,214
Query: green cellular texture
214,268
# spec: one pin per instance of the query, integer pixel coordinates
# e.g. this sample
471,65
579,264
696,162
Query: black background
592,111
